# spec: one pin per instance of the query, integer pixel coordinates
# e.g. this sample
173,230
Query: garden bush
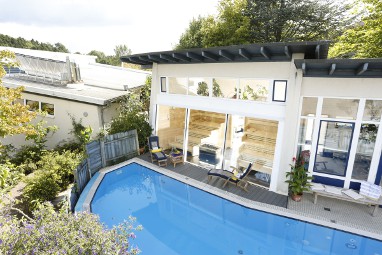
9,176
54,175
51,232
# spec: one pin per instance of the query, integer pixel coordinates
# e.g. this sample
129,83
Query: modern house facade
69,85
267,103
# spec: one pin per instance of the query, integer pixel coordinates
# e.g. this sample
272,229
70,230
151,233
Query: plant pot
296,197
141,150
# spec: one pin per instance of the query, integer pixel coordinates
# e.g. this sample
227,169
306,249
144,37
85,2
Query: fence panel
111,150
82,176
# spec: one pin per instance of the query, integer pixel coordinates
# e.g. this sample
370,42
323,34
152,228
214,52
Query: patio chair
156,152
231,176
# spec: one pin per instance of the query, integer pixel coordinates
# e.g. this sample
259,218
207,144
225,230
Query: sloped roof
260,52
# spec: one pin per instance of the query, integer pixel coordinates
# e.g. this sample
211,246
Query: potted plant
298,179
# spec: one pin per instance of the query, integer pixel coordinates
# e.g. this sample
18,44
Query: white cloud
84,25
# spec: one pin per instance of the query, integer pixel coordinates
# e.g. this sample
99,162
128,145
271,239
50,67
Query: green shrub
9,176
54,175
61,165
51,232
43,186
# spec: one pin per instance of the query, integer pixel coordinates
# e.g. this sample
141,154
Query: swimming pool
180,219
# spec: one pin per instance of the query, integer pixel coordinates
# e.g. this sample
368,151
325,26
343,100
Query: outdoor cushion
159,155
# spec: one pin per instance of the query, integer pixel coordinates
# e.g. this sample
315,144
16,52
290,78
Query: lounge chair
231,176
156,152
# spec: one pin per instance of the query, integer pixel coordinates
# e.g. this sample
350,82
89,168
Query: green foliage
119,51
202,89
250,93
216,91
364,39
51,232
81,133
298,177
132,116
9,176
20,42
258,21
55,174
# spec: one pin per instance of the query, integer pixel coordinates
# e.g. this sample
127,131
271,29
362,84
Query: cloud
62,13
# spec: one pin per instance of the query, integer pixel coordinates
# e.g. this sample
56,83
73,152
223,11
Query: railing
111,150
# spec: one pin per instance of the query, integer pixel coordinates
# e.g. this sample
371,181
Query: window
226,88
373,110
279,91
33,105
309,105
177,85
48,108
333,147
256,90
340,108
163,87
199,86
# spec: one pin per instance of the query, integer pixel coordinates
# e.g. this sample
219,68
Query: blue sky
84,25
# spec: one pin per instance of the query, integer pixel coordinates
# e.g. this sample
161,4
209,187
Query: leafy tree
193,36
119,50
216,91
60,232
20,42
14,116
257,21
202,89
364,39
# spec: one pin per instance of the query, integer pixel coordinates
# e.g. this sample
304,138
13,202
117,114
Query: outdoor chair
156,152
231,176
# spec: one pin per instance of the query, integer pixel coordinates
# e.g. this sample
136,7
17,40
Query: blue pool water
180,219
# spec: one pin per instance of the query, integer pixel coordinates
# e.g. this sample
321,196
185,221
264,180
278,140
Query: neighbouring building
268,103
65,85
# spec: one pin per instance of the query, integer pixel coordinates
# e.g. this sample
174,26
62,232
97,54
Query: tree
119,50
364,39
193,36
14,116
20,42
259,21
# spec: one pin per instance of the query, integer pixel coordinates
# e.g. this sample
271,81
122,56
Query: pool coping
226,195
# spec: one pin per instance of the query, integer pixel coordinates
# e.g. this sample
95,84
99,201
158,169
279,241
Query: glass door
333,147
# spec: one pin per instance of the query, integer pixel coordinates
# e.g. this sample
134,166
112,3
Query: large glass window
226,88
171,122
309,106
340,108
373,110
305,135
256,90
177,85
365,149
199,86
333,147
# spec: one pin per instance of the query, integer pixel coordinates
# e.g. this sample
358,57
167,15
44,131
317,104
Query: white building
69,84
268,103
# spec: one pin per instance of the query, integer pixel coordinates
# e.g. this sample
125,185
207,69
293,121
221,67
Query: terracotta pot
296,197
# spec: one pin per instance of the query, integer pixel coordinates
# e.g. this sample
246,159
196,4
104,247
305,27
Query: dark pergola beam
265,52
287,52
226,54
155,58
195,56
317,52
303,67
145,59
181,57
210,55
245,54
332,69
362,69
167,57
138,61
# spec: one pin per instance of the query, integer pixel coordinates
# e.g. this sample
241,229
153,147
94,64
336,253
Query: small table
176,158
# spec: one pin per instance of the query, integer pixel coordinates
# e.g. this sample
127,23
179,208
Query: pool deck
337,214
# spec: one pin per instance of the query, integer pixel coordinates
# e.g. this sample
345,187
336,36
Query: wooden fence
111,150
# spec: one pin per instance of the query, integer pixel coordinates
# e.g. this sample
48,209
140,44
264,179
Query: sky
85,25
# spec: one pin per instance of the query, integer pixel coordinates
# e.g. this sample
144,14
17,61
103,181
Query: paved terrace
329,212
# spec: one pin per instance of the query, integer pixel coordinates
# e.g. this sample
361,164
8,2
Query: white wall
285,113
91,115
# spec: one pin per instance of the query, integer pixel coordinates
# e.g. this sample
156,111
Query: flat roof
340,68
259,52
75,92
